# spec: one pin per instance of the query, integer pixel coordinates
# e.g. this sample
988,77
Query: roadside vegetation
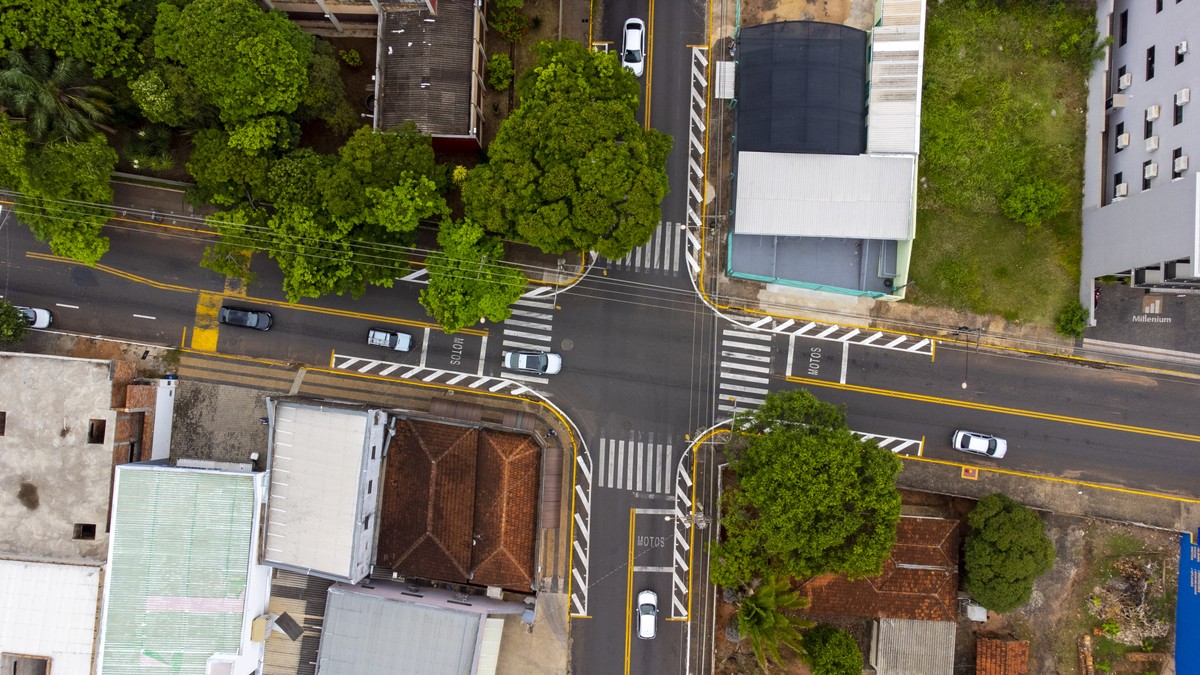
1001,167
1005,552
256,112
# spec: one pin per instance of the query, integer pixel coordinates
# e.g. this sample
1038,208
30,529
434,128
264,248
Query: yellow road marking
204,333
996,409
235,287
629,589
649,61
921,448
258,301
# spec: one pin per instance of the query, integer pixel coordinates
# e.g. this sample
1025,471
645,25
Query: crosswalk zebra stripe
765,337
745,378
525,378
532,336
746,357
746,390
527,324
531,315
746,345
734,365
522,345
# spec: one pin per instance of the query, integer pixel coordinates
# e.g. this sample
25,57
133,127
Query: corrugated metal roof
49,609
370,634
908,647
793,195
897,61
317,464
178,568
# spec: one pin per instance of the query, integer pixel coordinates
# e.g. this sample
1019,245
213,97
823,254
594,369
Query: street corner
1147,317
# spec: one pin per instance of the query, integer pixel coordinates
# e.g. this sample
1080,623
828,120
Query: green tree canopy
811,497
467,278
226,175
62,189
103,33
12,324
56,97
829,650
571,168
763,618
1006,551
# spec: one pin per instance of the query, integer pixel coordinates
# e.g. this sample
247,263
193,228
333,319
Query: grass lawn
1003,111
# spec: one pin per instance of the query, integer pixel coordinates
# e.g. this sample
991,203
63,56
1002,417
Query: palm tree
56,97
763,618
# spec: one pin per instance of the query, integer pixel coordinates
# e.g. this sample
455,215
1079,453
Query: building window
1150,63
1178,121
367,522
373,449
96,431
370,484
3,419
1157,6
1146,177
1120,133
1123,33
85,531
1179,54
1177,167
1148,129
1118,178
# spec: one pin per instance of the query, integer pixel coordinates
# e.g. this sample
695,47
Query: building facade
1141,205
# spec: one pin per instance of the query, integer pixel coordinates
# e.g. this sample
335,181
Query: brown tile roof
1001,657
919,580
460,505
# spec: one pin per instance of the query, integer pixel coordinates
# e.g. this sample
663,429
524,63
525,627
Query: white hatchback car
647,614
633,46
35,317
979,444
541,363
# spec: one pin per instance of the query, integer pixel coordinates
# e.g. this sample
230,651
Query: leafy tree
499,71
225,175
242,231
1006,551
55,96
166,96
294,178
1071,320
12,324
829,650
246,62
375,160
325,96
103,33
571,168
509,23
61,202
811,497
467,280
14,151
762,616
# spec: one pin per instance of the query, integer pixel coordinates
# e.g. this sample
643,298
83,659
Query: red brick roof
1001,657
919,581
460,505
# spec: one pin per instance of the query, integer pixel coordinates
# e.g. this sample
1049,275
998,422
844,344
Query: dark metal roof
802,87
427,69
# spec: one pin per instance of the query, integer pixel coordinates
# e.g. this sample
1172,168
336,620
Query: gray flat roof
793,195
428,69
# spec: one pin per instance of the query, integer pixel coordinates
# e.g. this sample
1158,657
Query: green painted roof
178,566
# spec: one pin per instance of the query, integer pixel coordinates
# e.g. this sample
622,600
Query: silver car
633,46
979,444
35,317
542,363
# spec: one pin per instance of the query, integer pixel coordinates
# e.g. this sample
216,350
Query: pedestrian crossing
663,254
635,463
745,369
529,328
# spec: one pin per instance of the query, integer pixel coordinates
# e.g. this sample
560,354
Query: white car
633,46
647,614
542,363
36,318
979,444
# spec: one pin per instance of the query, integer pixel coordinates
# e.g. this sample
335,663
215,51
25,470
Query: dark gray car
257,319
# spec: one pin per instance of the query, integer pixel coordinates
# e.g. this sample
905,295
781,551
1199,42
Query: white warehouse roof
852,196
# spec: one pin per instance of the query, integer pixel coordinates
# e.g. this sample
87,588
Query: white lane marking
531,315
649,568
629,466
791,353
425,347
746,345
600,461
845,361
59,304
528,324
525,378
143,316
482,352
764,337
529,336
747,357
745,366
522,345
641,459
745,378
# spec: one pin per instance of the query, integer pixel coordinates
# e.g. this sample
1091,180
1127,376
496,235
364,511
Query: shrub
509,23
1071,320
832,651
499,71
351,57
1033,203
12,323
149,149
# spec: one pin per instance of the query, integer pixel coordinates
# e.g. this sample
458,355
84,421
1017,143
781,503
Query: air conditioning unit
1181,164
1183,96
1151,171
1117,101
1181,48
1152,144
1152,112
1125,81
1121,190
1122,141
